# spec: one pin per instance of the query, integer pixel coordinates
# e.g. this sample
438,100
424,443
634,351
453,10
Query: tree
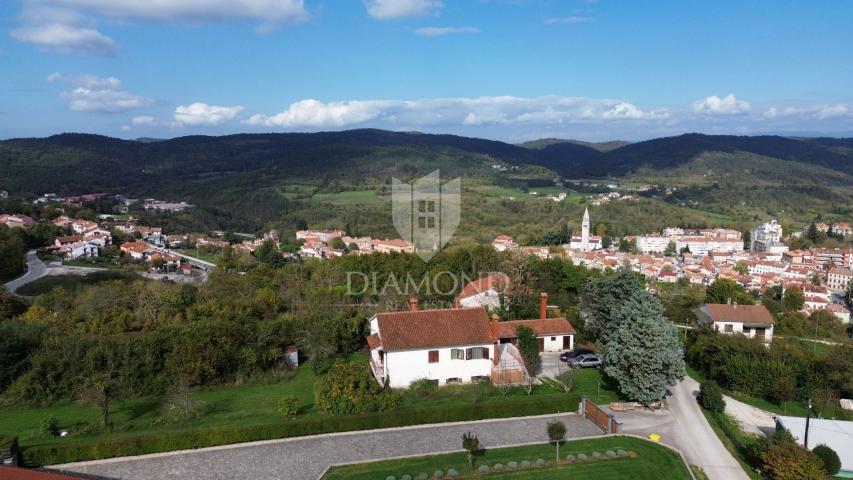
314,340
725,290
793,299
349,388
643,354
849,293
601,297
789,461
670,249
831,462
711,397
268,254
747,240
471,444
556,433
528,345
741,268
100,384
337,243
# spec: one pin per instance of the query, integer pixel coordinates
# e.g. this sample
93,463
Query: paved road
684,427
306,458
35,270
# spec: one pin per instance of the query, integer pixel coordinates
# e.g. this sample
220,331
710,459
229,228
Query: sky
511,70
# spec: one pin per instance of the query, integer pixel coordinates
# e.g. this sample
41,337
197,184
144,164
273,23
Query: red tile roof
498,282
542,327
411,330
757,314
373,341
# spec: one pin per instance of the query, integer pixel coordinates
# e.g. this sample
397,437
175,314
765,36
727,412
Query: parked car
569,356
586,361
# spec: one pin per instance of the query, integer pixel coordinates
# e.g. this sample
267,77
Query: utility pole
808,416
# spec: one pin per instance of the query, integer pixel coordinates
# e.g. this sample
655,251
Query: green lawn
252,404
353,197
591,382
652,462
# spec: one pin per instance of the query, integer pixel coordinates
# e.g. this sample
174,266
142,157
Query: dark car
569,356
586,361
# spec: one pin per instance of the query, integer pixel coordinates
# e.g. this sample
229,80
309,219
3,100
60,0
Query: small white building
838,279
484,292
753,321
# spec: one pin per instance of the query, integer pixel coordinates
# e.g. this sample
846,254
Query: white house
838,279
82,250
503,242
454,345
484,292
750,320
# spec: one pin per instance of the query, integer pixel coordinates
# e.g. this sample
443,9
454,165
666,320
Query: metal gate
603,420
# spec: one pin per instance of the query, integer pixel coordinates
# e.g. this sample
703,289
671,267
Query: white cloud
66,39
68,26
98,94
389,9
455,111
143,120
834,111
440,31
728,105
572,20
198,114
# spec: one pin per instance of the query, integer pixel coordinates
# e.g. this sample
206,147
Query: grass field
297,190
239,405
71,282
652,462
518,194
353,197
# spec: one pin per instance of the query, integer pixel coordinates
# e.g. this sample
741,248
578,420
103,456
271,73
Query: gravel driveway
306,458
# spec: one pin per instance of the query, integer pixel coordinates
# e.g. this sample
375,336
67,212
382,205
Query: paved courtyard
307,457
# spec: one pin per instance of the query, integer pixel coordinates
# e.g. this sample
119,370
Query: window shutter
485,353
433,356
468,353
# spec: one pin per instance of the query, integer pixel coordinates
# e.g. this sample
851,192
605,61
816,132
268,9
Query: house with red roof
754,321
484,292
455,345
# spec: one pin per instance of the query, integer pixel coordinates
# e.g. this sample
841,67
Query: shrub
789,461
75,450
349,389
570,458
288,406
610,454
452,473
831,462
512,465
50,425
525,464
582,457
483,469
711,397
596,456
438,474
498,467
621,453
423,387
390,477
406,477
423,476
540,462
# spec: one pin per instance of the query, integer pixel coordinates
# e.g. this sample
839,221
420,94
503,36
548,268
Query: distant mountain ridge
81,160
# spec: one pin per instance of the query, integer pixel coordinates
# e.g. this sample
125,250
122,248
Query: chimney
496,358
543,305
413,304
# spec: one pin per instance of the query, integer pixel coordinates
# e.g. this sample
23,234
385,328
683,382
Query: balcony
378,372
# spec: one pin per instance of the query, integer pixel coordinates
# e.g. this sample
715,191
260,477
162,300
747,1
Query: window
479,378
553,339
729,328
476,353
433,356
746,330
457,354
453,380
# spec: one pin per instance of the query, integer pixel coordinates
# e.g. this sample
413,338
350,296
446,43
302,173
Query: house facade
454,345
753,321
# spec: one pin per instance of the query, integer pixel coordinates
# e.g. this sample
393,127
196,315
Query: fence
603,420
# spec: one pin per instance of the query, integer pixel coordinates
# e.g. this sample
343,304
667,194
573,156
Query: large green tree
643,353
602,297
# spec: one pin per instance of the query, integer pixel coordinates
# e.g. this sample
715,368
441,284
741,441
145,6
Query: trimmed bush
406,477
498,467
288,406
512,465
582,457
540,462
831,462
711,397
74,450
621,453
452,473
390,477
438,474
610,454
571,458
50,425
525,464
423,476
596,456
483,469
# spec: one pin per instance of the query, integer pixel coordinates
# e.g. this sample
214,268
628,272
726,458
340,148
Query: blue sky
511,70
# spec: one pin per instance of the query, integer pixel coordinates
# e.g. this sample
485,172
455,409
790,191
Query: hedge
126,445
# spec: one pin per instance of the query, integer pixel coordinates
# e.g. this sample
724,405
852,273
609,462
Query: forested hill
74,163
